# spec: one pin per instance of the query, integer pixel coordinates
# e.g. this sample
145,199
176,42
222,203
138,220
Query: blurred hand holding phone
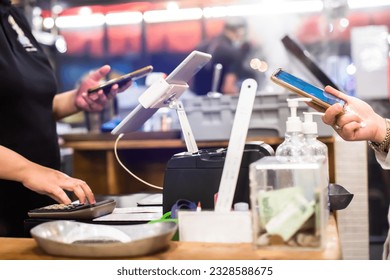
321,99
122,80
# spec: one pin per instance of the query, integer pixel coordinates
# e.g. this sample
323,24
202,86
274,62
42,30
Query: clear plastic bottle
315,149
310,131
293,145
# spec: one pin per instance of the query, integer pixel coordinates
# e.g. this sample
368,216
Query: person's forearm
64,104
13,165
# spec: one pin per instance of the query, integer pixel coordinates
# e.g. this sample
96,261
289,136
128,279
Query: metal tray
76,239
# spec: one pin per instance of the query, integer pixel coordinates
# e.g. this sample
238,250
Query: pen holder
289,202
215,227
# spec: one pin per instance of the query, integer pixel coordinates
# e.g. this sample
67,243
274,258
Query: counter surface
27,249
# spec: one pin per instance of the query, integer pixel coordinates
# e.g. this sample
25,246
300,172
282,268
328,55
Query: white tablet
179,76
188,67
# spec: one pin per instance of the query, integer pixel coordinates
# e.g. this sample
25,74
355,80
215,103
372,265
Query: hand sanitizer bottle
314,147
293,145
310,132
316,150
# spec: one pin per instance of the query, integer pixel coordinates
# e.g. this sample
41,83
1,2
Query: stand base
215,227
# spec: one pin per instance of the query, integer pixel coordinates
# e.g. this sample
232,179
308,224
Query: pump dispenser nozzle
309,126
293,145
294,123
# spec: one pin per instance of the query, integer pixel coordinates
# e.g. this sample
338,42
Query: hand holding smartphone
122,80
295,84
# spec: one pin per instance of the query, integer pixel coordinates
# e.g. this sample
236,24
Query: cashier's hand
96,102
356,120
51,182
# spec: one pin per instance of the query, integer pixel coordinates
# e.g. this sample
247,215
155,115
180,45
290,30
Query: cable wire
127,170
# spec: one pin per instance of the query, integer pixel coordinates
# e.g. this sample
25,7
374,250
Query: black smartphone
299,86
122,80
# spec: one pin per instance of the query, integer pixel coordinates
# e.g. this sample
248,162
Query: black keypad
60,208
74,210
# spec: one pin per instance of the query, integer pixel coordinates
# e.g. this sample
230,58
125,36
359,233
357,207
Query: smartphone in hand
299,86
122,80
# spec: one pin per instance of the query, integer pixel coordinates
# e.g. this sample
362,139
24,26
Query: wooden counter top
153,140
27,249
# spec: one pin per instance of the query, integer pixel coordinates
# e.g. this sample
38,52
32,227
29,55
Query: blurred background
131,34
348,39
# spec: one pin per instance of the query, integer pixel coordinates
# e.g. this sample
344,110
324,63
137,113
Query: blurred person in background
229,50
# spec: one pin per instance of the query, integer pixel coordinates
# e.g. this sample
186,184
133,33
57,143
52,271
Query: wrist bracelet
383,147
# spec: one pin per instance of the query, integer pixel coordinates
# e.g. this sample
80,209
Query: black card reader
196,177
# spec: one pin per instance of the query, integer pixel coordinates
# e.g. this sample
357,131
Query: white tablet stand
163,94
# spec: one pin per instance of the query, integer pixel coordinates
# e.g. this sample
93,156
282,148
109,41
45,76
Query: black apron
27,89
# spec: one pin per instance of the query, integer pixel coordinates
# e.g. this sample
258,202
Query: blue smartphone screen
310,89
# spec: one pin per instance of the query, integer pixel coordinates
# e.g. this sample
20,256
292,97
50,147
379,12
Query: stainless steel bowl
76,239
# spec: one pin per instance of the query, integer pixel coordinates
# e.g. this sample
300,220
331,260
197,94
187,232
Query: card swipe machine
196,177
